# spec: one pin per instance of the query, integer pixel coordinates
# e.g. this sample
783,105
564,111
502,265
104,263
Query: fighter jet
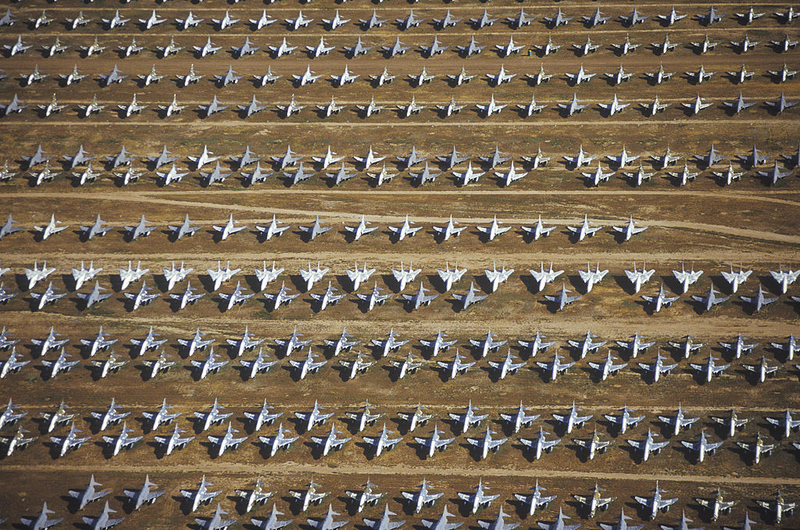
12,364
434,442
660,300
141,298
187,79
709,300
212,108
783,46
595,178
468,175
507,366
702,446
262,22
163,417
53,419
471,297
455,366
257,496
226,441
777,507
781,104
122,440
540,444
71,441
759,300
648,446
534,500
283,49
173,48
422,497
144,495
51,228
330,442
658,367
695,106
555,366
208,366
278,441
17,441
89,494
559,19
48,296
595,501
572,419
201,495
40,522
607,368
492,107
246,48
535,232
656,503
307,365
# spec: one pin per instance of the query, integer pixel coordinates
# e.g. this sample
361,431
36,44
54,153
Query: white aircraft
162,417
421,498
201,495
278,441
226,441
141,298
591,277
540,444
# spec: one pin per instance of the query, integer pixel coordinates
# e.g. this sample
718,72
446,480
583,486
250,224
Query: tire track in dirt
731,231
250,469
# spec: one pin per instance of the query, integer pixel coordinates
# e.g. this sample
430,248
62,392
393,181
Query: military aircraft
17,441
710,300
69,441
384,523
226,441
53,419
12,364
363,417
256,496
585,49
95,296
357,49
757,448
41,521
780,104
584,230
785,422
540,444
455,366
212,108
201,495
538,230
434,442
656,503
782,75
212,417
416,418
257,365
17,48
678,421
572,419
187,297
109,417
162,363
534,500
648,446
278,441
468,175
471,297
99,228
596,177
562,298
238,296
307,365
374,297
47,297
686,278
559,19
299,175
380,443
328,298
197,343
493,230
141,298
208,366
555,366
595,501
492,107
187,79
441,523
773,175
330,442
658,367
487,344
607,367
162,417
702,446
406,366
635,345
122,440
422,497
51,228
284,48
246,48
49,343
535,345
34,275
777,507
696,105
735,279
507,366
443,233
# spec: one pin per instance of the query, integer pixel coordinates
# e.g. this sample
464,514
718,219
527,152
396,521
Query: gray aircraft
468,418
144,495
289,158
678,421
93,297
246,48
710,300
562,299
471,297
559,19
215,522
54,419
141,298
307,365
535,345
540,444
208,366
507,366
374,297
648,446
272,522
12,364
122,440
629,230
41,521
656,503
416,418
213,107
